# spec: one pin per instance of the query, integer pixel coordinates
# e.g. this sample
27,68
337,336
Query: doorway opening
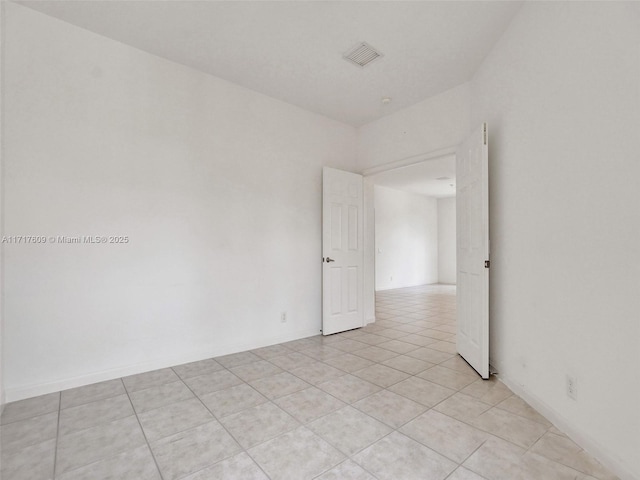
414,260
470,163
414,220
411,221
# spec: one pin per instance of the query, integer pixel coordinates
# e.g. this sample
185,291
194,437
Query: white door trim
409,161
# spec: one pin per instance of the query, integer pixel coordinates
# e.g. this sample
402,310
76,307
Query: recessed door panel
353,227
336,227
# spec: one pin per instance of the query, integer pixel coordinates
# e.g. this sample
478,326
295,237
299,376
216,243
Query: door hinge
484,133
487,264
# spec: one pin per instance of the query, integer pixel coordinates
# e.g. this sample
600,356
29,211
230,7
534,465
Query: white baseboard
604,455
27,391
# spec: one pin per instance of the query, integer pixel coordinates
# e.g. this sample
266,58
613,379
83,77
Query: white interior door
342,251
472,223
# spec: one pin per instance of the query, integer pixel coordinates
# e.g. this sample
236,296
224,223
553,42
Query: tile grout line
306,425
351,405
560,462
55,454
467,458
455,392
142,430
156,386
244,450
491,407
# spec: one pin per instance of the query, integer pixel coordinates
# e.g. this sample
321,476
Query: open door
342,251
472,223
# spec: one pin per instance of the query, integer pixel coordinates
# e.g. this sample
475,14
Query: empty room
192,281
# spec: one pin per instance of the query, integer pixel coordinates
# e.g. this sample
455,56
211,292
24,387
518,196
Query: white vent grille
362,54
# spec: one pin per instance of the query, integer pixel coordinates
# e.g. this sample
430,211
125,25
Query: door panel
472,178
342,251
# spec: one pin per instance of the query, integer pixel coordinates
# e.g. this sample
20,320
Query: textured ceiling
293,50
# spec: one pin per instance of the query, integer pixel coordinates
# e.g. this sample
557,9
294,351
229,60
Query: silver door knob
330,260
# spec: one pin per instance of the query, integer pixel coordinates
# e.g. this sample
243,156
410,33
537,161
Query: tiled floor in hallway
388,401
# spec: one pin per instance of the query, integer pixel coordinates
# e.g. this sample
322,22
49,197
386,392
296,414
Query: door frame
369,269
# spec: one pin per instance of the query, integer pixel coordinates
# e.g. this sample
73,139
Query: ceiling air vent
362,54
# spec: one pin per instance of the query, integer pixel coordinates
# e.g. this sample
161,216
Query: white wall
447,240
561,94
436,123
218,189
406,232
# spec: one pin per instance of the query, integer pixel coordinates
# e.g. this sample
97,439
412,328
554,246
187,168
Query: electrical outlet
572,387
283,317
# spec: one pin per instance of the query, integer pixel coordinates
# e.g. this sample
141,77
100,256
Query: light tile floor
388,401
